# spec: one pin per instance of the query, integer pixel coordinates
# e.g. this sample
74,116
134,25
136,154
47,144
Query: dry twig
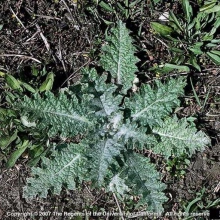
18,19
119,208
20,55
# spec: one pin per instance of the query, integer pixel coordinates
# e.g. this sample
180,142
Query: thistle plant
114,123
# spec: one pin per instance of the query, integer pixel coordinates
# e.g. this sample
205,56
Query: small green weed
177,166
122,9
199,102
200,204
191,36
14,129
111,11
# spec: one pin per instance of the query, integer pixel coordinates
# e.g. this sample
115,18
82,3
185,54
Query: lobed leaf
143,180
117,185
178,137
66,168
150,106
59,115
118,57
134,136
102,156
115,124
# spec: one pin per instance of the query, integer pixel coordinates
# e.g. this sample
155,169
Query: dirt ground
63,37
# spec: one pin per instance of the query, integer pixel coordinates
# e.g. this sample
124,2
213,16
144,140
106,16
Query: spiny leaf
178,137
105,151
134,136
112,127
150,106
59,115
117,185
66,168
105,99
109,101
118,57
143,180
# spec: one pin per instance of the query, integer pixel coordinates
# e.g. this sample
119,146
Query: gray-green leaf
118,57
178,137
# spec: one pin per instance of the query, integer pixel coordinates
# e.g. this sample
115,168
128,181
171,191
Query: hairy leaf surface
65,168
116,123
150,106
143,180
134,136
106,98
103,153
178,137
118,57
117,185
109,102
61,114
